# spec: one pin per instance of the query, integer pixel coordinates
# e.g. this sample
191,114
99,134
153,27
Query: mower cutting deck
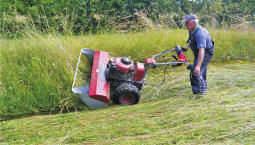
118,79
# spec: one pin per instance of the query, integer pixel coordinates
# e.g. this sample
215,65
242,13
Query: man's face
190,25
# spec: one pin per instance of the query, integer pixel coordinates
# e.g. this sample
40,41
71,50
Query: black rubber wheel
126,94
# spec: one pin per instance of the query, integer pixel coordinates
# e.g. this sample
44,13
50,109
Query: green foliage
83,16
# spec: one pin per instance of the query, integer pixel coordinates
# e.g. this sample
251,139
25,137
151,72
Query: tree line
82,16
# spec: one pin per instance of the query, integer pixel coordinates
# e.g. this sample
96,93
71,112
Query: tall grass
37,71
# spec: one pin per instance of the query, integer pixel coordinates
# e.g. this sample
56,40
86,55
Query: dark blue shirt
200,38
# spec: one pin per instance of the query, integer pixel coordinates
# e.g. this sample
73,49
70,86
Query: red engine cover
124,68
99,88
139,71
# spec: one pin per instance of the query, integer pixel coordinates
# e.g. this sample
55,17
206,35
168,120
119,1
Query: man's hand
196,71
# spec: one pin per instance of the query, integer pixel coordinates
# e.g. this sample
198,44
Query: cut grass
225,116
36,72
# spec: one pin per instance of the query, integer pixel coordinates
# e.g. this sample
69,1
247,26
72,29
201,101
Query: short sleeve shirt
200,38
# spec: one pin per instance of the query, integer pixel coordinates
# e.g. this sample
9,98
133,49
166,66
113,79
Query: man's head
190,21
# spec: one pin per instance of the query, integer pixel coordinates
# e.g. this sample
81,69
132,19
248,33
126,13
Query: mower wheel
126,94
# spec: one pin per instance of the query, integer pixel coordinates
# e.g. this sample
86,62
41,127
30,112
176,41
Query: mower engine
126,80
118,79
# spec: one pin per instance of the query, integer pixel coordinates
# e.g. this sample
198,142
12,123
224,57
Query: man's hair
196,21
190,17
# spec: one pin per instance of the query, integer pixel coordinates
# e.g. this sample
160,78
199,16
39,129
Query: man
203,48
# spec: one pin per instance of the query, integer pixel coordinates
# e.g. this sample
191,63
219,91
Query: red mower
118,79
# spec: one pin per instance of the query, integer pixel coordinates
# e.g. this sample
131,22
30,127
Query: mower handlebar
171,63
154,61
177,49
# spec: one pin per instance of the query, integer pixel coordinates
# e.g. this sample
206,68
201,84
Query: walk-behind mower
118,79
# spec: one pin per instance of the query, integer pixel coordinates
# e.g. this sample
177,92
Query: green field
41,43
225,116
36,78
36,71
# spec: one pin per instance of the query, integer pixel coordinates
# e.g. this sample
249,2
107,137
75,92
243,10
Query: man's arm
201,45
200,60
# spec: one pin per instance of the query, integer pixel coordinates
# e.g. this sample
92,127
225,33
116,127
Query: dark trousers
199,83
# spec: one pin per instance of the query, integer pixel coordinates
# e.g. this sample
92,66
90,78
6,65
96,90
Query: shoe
197,96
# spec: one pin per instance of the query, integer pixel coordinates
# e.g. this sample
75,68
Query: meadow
37,70
169,116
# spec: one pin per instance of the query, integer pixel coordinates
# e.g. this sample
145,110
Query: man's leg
203,86
199,83
195,82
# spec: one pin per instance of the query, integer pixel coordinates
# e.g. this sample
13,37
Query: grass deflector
119,79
